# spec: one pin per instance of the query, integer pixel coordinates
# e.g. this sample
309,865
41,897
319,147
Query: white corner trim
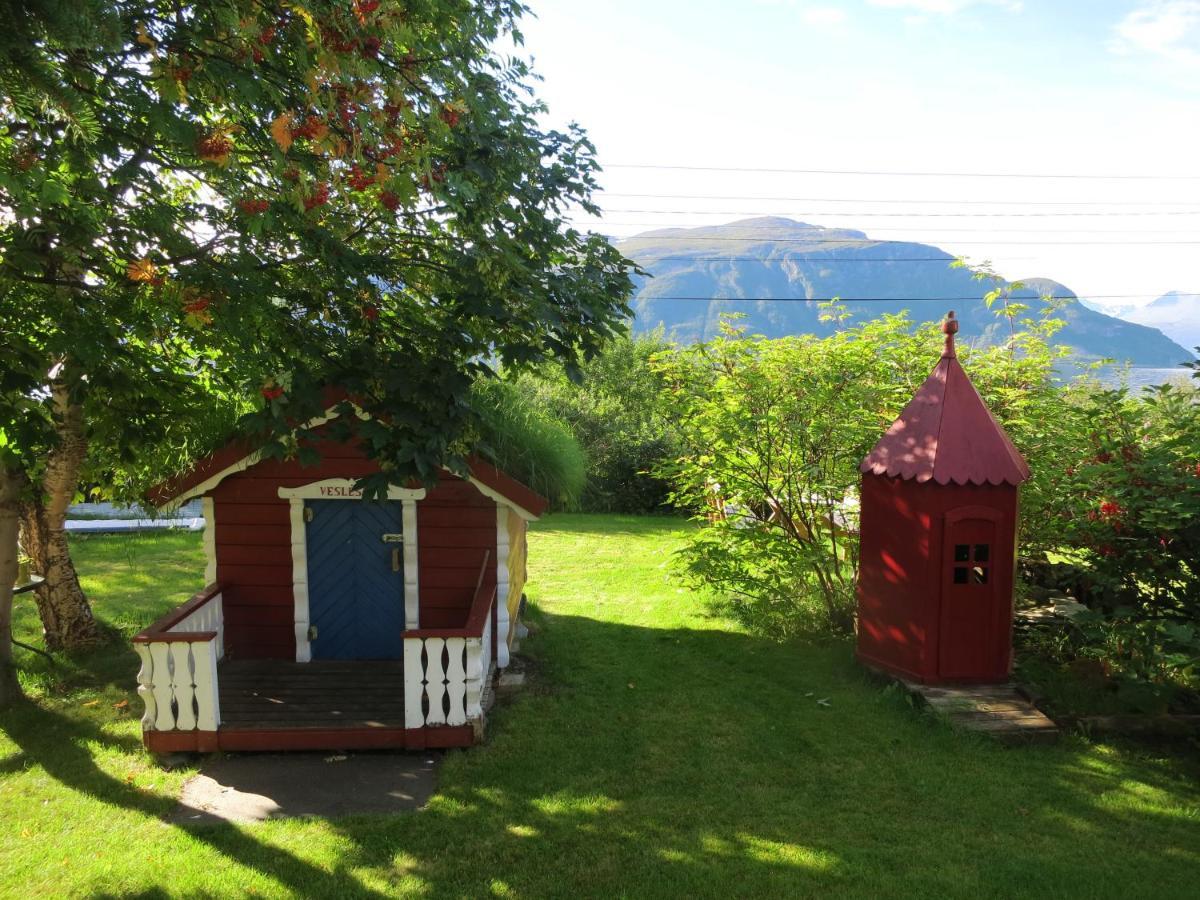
343,489
501,500
210,541
502,550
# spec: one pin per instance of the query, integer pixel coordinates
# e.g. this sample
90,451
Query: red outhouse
332,621
938,536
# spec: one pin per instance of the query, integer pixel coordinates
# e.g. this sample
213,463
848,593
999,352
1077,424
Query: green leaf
55,193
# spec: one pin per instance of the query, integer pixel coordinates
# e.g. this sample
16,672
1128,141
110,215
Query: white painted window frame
343,489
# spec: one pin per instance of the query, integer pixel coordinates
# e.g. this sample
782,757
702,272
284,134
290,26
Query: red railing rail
160,630
477,615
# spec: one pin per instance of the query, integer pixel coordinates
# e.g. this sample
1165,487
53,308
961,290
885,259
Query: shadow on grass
667,762
59,744
685,762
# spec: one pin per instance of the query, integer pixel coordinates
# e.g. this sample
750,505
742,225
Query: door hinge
312,632
308,514
393,538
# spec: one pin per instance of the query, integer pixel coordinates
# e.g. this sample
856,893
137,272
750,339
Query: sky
988,87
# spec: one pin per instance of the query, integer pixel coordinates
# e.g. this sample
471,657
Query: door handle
395,559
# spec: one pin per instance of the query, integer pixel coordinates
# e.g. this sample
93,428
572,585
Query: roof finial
949,329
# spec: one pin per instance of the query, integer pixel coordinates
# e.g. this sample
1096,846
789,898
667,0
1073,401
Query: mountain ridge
777,270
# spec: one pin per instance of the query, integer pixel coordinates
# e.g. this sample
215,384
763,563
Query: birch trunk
10,493
66,616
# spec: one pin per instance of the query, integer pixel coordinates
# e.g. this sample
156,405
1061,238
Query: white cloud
947,7
823,16
1165,28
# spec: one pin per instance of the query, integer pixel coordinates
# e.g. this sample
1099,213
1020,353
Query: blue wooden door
355,581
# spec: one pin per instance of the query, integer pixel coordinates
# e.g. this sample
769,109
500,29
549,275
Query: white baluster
414,683
204,657
185,692
456,680
486,650
145,678
435,681
474,679
164,718
218,603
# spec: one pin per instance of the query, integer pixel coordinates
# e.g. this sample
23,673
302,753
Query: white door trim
343,489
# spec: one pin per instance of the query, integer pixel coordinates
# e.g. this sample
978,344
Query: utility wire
1073,176
915,200
832,259
866,240
897,215
888,299
766,232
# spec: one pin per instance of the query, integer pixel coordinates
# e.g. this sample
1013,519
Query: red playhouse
334,622
938,536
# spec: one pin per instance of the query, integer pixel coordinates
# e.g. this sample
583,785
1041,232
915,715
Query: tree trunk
66,616
10,494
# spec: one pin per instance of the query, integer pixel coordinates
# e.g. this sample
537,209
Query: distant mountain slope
1175,314
750,265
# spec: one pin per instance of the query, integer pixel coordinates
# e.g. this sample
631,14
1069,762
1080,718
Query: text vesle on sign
337,490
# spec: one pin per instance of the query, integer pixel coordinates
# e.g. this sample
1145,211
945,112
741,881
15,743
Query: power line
831,259
895,215
862,241
887,299
1075,176
766,232
921,200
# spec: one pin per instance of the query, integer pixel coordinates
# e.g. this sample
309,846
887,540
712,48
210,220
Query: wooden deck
264,693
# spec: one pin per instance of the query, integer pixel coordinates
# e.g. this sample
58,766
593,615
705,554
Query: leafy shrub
1131,499
526,442
773,431
616,411
1127,508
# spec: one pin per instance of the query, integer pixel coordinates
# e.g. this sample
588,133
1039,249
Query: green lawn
659,751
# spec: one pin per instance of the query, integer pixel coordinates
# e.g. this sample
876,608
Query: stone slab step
995,709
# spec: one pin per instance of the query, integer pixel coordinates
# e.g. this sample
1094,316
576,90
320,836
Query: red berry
319,197
214,147
253,207
370,47
1103,457
370,313
389,200
360,180
272,391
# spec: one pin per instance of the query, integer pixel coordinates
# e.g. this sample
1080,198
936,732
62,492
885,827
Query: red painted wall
901,572
456,524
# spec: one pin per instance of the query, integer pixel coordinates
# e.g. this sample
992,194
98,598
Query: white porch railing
445,669
178,678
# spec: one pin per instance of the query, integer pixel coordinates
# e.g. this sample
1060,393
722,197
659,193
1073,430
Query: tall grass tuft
529,444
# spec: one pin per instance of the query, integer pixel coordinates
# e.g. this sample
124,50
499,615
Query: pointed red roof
947,434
